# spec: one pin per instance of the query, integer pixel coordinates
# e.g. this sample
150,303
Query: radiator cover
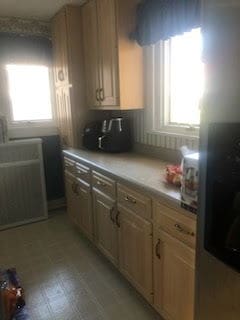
22,183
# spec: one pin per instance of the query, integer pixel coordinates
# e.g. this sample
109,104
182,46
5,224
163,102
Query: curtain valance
161,19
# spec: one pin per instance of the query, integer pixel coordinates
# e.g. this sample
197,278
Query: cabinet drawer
83,172
104,184
135,201
69,165
175,223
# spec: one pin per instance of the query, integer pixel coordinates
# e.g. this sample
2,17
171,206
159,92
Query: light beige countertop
144,172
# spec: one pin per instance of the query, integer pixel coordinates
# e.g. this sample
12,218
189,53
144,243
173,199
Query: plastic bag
12,303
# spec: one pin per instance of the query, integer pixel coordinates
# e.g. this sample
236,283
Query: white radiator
22,183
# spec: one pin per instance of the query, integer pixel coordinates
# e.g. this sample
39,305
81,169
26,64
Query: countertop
145,172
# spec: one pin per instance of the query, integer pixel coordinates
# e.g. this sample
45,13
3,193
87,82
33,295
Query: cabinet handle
130,199
102,184
60,75
97,95
157,249
117,219
182,230
111,215
101,92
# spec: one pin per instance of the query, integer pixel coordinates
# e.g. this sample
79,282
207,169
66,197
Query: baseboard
56,204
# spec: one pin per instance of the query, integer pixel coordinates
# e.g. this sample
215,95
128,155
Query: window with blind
176,77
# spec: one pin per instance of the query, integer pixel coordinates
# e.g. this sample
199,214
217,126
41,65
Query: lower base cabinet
84,208
173,277
79,204
70,186
135,246
153,249
105,226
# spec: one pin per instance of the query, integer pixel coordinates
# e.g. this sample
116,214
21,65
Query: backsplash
159,140
155,140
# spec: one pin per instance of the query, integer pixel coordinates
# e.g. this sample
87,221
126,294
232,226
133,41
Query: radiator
22,183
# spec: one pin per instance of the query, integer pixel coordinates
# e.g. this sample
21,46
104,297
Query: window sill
181,134
173,141
32,131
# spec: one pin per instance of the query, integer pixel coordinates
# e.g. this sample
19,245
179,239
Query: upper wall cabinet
60,49
113,61
69,79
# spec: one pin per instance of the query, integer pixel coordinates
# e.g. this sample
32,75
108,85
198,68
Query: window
29,90
178,82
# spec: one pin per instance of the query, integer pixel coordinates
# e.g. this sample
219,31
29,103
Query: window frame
157,70
43,123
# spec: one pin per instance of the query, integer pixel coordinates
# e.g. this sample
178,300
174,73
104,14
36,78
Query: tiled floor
65,277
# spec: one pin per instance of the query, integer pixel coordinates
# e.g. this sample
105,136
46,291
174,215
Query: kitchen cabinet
135,246
105,226
64,115
104,184
151,243
79,198
173,262
60,50
109,91
113,61
70,186
173,277
68,71
84,208
91,59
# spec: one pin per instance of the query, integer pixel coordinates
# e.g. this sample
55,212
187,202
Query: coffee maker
116,136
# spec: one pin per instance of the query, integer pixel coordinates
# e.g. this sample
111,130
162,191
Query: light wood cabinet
79,199
68,68
70,186
113,61
109,91
135,201
60,50
174,262
83,173
153,249
64,115
104,184
105,226
135,246
173,277
91,49
176,223
84,208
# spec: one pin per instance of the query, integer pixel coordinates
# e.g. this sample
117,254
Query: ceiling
40,9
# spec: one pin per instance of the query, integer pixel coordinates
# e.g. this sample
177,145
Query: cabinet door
106,229
109,86
91,52
135,245
173,277
84,209
64,116
70,185
60,50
